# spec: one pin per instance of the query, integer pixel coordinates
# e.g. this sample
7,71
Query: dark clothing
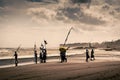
63,54
35,55
43,55
87,55
16,59
92,55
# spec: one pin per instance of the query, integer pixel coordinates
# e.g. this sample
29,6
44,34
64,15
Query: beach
105,67
59,40
109,70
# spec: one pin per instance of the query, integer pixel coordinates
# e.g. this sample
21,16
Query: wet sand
105,67
74,69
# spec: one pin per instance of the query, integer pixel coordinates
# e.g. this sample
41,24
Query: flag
45,42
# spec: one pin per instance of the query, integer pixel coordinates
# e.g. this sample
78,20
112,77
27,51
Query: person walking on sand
16,58
41,55
87,55
16,55
44,55
63,54
35,56
92,55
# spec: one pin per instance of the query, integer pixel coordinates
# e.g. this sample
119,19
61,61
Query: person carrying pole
16,56
63,54
63,50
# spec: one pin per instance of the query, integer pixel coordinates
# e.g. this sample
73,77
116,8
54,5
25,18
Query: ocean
26,56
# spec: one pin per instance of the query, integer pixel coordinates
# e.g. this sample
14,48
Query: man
16,58
41,55
87,55
44,55
92,55
63,53
62,50
35,55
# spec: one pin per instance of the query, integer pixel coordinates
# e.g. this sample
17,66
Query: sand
74,69
105,67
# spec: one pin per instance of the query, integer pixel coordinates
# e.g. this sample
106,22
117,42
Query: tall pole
18,48
67,36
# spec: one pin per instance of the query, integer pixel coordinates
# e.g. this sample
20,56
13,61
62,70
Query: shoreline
108,70
78,56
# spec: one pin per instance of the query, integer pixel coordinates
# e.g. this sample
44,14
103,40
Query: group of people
43,55
64,58
92,57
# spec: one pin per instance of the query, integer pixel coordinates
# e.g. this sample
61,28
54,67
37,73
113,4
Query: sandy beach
103,68
36,36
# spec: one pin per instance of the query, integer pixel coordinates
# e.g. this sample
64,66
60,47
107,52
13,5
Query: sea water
7,54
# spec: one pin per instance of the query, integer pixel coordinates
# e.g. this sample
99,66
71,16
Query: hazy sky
28,21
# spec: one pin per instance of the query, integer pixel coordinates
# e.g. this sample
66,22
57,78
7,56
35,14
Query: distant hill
112,44
115,45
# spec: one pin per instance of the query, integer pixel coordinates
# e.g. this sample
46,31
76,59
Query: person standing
16,55
16,58
35,56
44,55
92,55
63,53
87,55
41,56
43,52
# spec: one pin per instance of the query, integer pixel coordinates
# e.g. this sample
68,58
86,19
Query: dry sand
72,70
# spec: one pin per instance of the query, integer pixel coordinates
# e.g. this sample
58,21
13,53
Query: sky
27,22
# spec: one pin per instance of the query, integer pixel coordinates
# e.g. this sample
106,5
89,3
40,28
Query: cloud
44,1
51,1
1,4
81,1
41,15
72,13
35,0
52,11
54,17
66,11
113,2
